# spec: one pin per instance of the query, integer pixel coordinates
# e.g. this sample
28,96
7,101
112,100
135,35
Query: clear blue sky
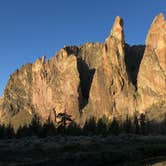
32,28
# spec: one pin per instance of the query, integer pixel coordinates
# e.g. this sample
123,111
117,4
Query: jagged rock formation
95,79
44,88
152,72
110,86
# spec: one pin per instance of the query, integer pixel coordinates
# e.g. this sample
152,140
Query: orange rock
95,79
111,93
152,72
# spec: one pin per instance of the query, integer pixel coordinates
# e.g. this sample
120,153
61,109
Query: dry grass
82,150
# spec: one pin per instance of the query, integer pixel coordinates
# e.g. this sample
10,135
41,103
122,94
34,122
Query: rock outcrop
111,93
95,79
43,88
152,72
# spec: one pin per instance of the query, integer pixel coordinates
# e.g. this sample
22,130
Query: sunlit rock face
44,88
152,72
95,79
111,93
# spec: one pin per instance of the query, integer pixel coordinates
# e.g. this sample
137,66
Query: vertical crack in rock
133,58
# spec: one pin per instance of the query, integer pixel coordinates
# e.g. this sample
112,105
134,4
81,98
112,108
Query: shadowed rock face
133,58
94,79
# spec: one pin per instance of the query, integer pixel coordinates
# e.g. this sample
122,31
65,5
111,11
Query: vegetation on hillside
139,125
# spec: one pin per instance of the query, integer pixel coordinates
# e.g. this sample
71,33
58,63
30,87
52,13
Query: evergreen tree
73,129
48,129
162,126
23,132
128,128
35,127
136,125
90,126
9,131
147,125
142,123
65,120
2,131
114,127
164,121
101,127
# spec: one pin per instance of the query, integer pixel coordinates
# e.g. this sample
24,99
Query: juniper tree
65,120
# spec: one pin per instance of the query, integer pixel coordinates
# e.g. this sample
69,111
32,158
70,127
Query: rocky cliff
152,72
95,79
111,93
